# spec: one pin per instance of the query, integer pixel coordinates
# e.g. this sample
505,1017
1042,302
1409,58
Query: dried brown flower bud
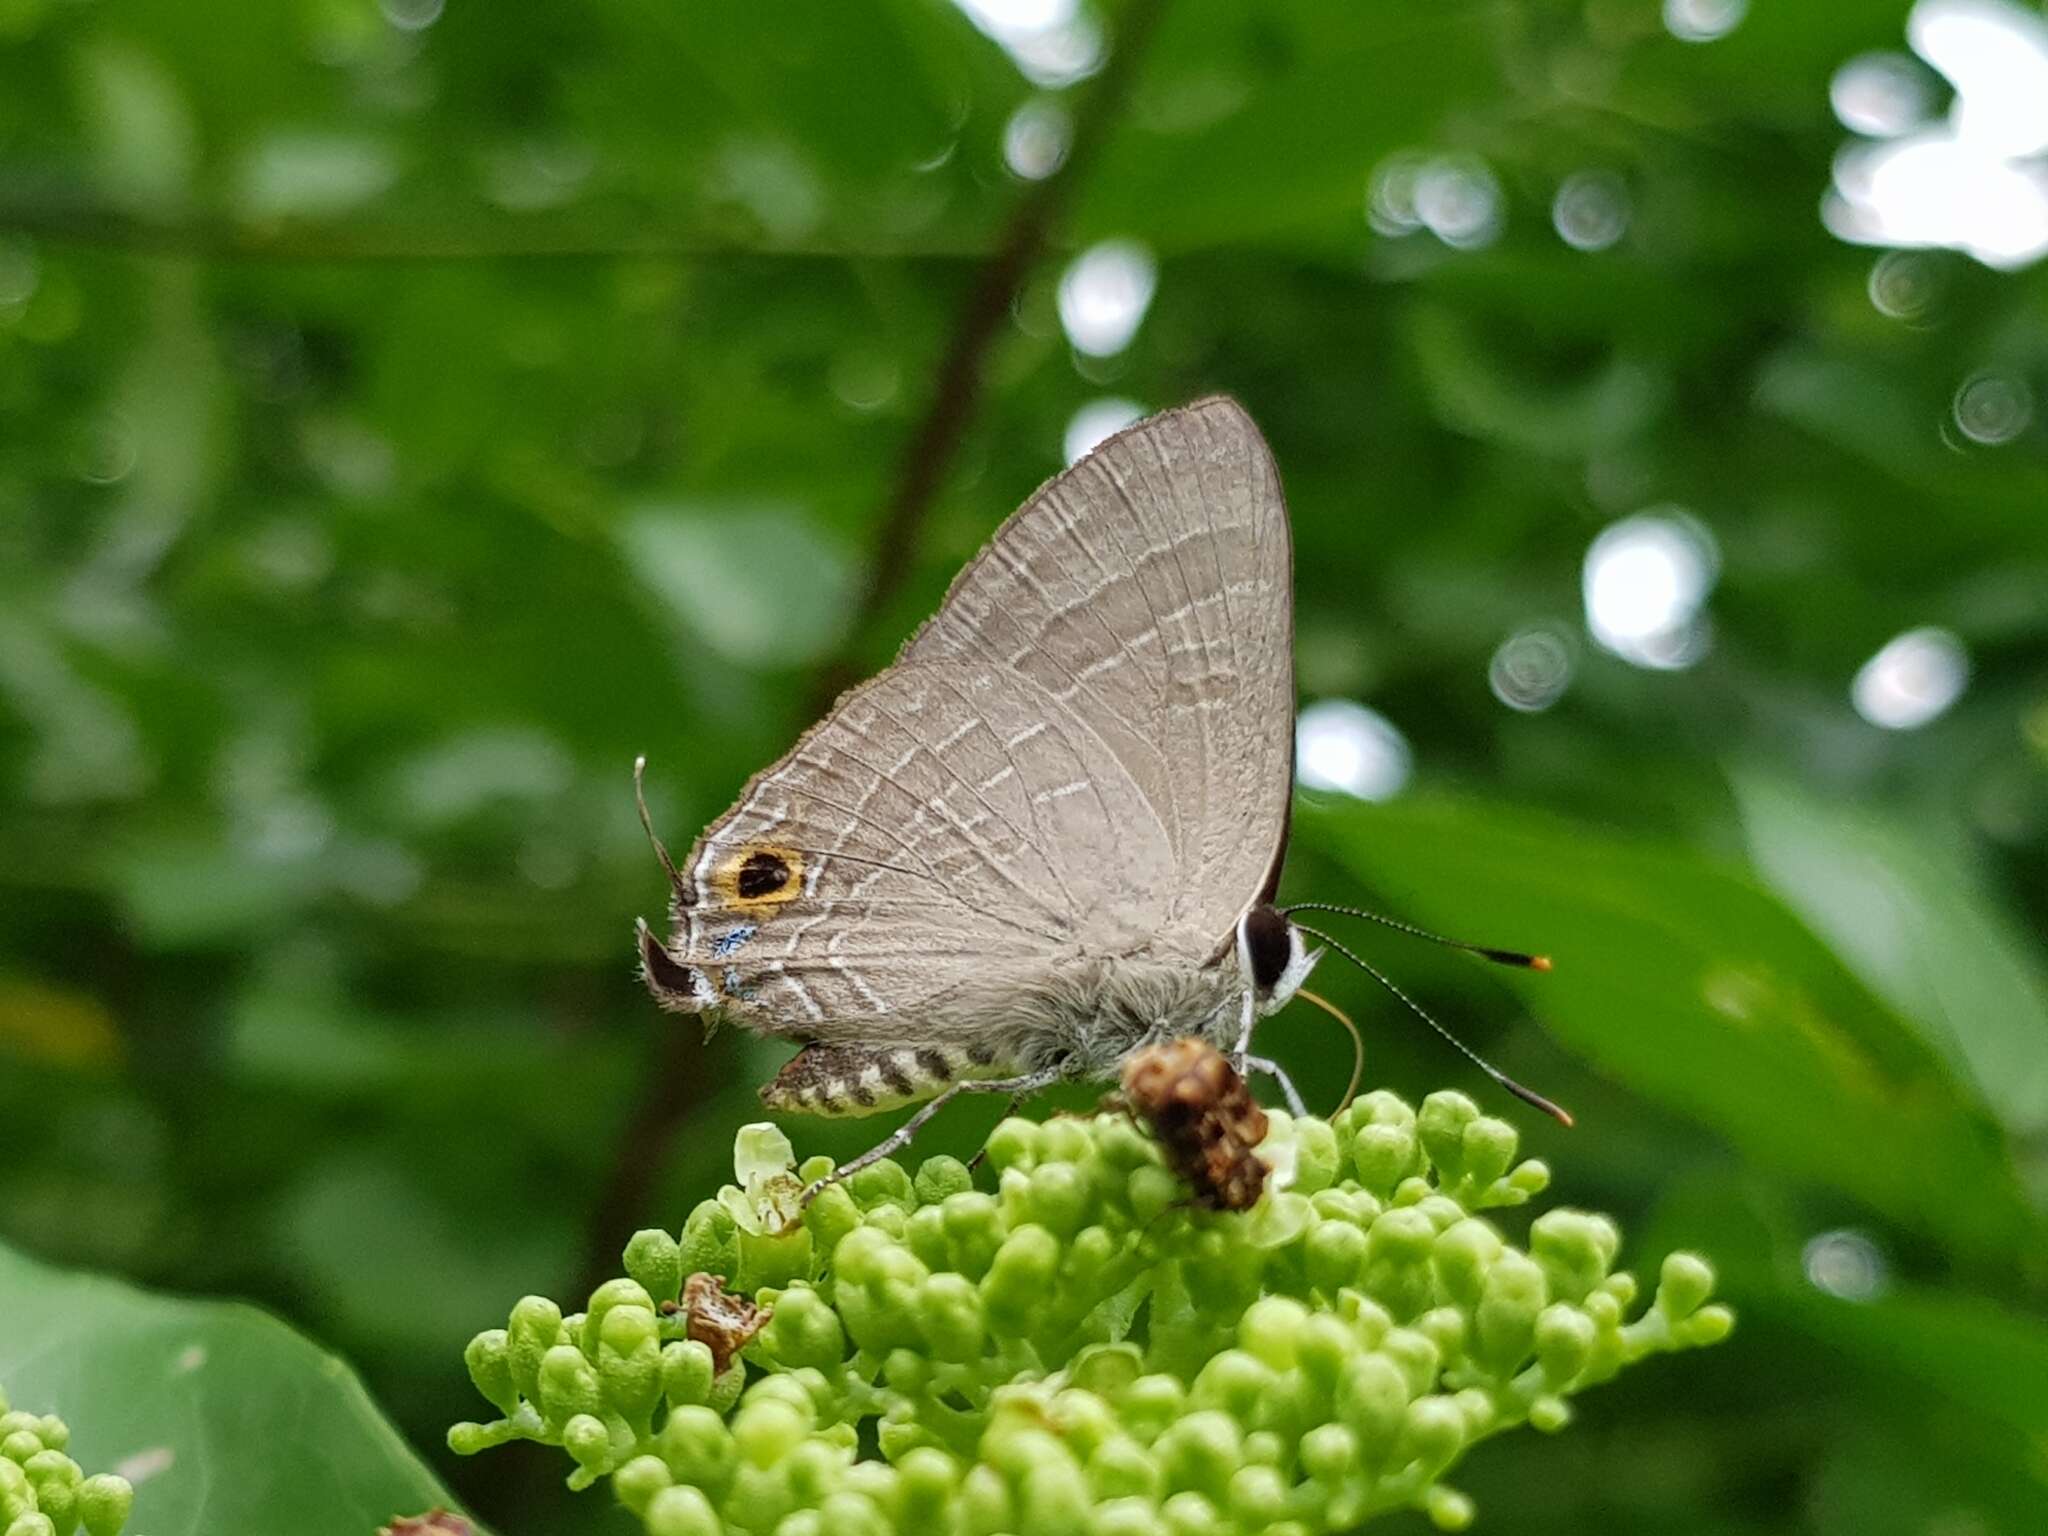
1204,1116
719,1320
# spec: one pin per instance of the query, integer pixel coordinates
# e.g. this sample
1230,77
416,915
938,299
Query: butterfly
1049,834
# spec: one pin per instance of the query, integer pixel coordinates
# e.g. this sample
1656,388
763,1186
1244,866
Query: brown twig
644,1145
957,390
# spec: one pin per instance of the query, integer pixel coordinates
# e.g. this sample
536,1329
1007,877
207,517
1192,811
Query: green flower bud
489,1358
1324,1347
1189,1514
1462,1256
1397,1254
1441,1125
613,1293
1443,1212
1125,1517
1120,1468
1504,1326
882,1183
1549,1414
1233,1382
1416,1354
1329,1452
1372,1401
974,1232
1019,1283
1564,1343
1683,1285
104,1503
771,1258
710,1242
686,1370
1151,1191
1151,1403
1433,1433
1490,1146
1448,1509
1057,1198
1446,1328
1256,1497
1575,1250
697,1448
985,1506
803,1330
655,1261
1384,1155
1107,1370
1053,1501
32,1524
949,1315
1200,1452
1530,1177
585,1437
536,1328
1271,1328
925,1233
1013,1144
941,1176
928,1478
830,1216
1065,1139
849,1513
726,1387
1317,1158
1709,1325
681,1511
639,1480
568,1384
766,1431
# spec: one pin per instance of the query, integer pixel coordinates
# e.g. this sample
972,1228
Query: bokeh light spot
1993,408
1097,420
1702,21
1845,1263
1104,294
1912,680
1591,210
1342,745
1646,580
1880,95
1531,669
1036,138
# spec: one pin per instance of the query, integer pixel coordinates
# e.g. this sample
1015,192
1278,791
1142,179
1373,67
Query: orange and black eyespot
756,878
762,874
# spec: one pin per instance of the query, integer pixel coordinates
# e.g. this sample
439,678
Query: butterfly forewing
1149,588
1086,750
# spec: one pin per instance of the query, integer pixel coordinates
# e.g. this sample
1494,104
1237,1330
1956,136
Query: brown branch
936,441
669,1095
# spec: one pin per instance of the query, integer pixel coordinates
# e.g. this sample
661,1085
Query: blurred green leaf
227,1422
1682,979
1919,927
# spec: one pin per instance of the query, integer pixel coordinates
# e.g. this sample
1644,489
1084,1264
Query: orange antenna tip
1539,962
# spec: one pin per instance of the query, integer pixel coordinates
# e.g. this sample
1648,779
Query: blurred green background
409,414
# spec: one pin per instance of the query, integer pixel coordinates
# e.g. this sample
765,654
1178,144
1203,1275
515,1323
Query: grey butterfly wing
1088,746
918,837
1149,590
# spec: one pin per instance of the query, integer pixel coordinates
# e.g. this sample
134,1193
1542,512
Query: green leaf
1915,923
1682,979
227,1422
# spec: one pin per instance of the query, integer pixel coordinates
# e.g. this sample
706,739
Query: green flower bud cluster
43,1492
1081,1349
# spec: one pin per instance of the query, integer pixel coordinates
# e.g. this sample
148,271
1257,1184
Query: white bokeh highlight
1096,421
1104,294
1646,581
1342,745
1975,182
1845,1264
1912,680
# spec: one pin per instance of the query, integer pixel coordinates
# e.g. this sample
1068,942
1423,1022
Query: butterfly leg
899,1138
1016,1103
1273,1070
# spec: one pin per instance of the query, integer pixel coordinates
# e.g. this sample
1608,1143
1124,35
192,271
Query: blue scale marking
730,944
